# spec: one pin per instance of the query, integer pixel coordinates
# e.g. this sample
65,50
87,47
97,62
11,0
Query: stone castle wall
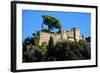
44,37
65,35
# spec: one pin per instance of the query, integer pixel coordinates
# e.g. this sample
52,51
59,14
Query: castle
65,35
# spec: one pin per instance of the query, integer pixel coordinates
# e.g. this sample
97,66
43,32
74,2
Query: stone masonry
65,35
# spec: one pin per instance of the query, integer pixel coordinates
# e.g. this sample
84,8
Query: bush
44,50
44,47
36,40
88,39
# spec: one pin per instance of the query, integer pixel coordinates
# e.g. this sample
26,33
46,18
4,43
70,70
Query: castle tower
76,33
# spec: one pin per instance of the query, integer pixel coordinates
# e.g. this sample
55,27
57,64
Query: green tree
43,48
52,22
34,54
50,46
36,40
88,39
51,42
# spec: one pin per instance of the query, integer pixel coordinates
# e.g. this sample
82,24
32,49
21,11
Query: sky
32,21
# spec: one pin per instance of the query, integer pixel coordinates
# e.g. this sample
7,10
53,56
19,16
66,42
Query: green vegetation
64,50
35,39
43,48
51,22
88,39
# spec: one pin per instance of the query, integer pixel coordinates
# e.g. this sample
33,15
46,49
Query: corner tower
76,33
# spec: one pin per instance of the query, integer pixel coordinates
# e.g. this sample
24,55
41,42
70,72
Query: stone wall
45,36
65,35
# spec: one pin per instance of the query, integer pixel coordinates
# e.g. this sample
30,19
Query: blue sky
32,20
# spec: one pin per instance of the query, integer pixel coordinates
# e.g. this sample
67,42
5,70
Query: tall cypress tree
50,46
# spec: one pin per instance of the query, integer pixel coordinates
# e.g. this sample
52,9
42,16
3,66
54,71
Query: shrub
88,39
43,48
36,40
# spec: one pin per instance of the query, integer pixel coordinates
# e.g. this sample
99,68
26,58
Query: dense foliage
51,22
64,50
88,39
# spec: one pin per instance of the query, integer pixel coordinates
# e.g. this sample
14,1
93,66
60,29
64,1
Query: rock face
65,35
